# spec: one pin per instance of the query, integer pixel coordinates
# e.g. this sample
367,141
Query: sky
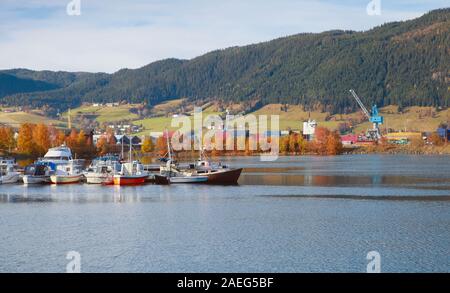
109,35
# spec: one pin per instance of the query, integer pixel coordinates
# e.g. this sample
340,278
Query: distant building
309,129
349,139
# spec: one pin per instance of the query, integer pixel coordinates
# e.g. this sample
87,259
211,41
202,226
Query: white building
309,128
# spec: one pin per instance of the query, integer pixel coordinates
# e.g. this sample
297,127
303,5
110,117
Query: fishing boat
102,170
8,173
67,170
38,173
131,173
174,174
217,173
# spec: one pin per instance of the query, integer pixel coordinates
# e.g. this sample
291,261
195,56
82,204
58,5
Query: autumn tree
102,146
284,144
147,145
327,142
161,146
7,140
41,137
334,144
321,140
59,139
25,142
436,139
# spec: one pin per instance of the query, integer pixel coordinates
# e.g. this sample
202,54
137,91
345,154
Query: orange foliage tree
7,140
41,137
25,142
161,146
327,142
80,144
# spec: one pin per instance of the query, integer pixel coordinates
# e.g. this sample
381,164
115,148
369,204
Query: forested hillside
404,63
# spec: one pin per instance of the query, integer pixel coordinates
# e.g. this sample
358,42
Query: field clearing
16,118
159,124
105,113
168,106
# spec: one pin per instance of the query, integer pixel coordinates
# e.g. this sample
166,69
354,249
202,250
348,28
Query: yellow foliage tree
147,145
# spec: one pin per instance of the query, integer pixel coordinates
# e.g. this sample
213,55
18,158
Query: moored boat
38,173
102,170
131,173
68,170
8,174
219,173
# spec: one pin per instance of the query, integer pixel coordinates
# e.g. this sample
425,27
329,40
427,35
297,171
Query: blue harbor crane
373,117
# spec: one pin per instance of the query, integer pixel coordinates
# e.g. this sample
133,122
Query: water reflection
275,179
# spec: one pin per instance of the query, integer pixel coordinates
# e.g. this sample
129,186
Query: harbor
299,214
59,167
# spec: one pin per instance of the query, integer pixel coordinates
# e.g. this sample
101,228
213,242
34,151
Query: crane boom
358,100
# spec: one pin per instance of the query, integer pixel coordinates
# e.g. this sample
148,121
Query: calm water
307,214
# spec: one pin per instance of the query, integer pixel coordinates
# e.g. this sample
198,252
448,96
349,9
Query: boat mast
169,152
168,146
121,154
130,149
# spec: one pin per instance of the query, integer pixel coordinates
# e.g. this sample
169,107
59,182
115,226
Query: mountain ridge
404,63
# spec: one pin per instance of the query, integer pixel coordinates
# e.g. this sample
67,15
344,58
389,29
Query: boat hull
226,177
9,179
188,179
29,179
161,180
99,179
65,179
129,180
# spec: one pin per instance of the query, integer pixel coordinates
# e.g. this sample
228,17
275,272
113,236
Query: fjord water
297,214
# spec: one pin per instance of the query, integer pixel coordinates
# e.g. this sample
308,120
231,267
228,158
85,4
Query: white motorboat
102,170
38,173
8,173
67,174
67,170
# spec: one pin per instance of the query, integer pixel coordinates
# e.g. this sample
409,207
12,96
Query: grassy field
159,124
410,119
104,113
16,118
420,119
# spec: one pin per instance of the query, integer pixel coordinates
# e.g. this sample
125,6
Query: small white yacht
8,173
67,170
